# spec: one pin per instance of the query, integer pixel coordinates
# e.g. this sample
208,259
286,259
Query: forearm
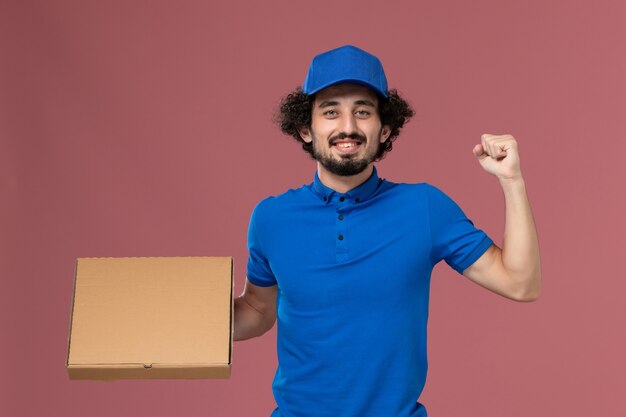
249,322
520,250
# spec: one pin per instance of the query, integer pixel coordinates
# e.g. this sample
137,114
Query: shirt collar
358,194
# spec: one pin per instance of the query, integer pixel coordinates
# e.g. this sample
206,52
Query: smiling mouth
347,148
346,144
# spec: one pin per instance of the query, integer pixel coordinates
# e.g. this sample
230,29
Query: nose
348,123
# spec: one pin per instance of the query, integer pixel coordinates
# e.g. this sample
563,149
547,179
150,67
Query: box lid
151,318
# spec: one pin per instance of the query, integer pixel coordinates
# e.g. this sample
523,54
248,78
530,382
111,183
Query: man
344,263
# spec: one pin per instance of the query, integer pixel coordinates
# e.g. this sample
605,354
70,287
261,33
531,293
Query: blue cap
346,64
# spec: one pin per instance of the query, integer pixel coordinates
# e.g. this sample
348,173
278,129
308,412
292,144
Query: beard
347,165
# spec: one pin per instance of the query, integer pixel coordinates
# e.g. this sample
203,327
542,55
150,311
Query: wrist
511,181
512,186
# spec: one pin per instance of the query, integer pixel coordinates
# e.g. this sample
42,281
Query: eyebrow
329,103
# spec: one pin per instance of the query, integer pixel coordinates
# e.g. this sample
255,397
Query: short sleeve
258,268
455,239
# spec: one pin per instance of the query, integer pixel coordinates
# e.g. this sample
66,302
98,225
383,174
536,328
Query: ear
305,134
385,133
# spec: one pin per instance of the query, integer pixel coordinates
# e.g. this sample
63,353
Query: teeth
346,145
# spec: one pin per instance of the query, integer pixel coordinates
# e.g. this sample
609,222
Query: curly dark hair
294,113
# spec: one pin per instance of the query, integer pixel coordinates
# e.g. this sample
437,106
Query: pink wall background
143,128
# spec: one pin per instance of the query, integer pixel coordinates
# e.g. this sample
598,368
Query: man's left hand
498,155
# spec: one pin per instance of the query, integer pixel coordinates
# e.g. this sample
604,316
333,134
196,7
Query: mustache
344,135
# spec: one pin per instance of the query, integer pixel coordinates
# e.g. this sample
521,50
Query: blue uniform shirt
353,274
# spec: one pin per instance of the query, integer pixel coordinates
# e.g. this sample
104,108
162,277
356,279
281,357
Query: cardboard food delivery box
151,318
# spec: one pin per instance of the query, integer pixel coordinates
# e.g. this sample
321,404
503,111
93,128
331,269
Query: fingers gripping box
151,318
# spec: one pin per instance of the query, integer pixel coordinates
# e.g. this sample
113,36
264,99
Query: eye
362,113
330,113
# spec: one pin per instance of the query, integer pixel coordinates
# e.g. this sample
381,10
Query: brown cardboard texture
151,318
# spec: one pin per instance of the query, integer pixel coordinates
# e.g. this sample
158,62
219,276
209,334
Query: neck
340,183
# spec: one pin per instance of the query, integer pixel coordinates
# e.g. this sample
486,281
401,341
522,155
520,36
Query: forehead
346,93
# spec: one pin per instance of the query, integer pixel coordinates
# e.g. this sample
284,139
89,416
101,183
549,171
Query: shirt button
340,217
340,237
341,198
